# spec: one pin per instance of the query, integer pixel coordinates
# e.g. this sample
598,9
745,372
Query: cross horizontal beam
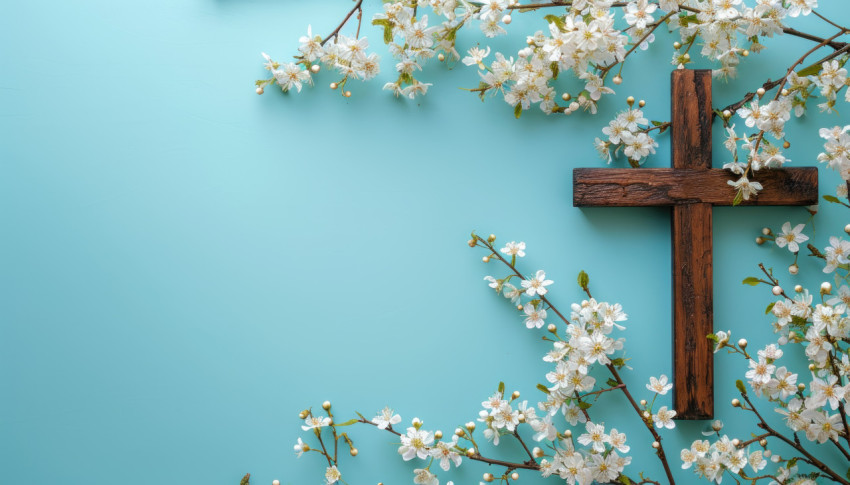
652,187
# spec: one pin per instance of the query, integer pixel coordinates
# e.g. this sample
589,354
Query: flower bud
275,482
847,228
488,477
354,452
777,290
617,79
441,57
260,90
438,434
641,103
334,85
347,94
762,442
798,288
566,96
574,106
459,432
677,45
486,259
656,445
315,68
643,402
742,343
792,335
727,113
736,442
470,426
826,288
416,422
766,231
521,418
506,19
630,100
745,53
784,92
470,452
686,56
326,405
646,415
568,433
794,269
536,451
759,240
786,144
760,92
491,238
303,414
514,476
812,367
552,328
736,403
471,243
515,395
801,387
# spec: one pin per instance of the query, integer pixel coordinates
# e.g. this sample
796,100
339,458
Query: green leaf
618,362
555,70
711,337
791,463
388,35
583,280
502,388
611,382
812,70
751,280
584,405
688,19
624,480
740,385
518,110
738,198
347,423
543,388
831,198
554,19
769,308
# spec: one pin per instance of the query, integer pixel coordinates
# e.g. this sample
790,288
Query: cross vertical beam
693,309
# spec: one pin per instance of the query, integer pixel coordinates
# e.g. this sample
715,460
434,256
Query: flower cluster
572,445
629,132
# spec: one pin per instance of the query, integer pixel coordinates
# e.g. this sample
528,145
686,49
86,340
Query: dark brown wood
690,116
693,309
693,312
691,187
652,187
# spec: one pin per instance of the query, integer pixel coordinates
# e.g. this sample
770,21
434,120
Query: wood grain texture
693,308
693,312
650,187
690,114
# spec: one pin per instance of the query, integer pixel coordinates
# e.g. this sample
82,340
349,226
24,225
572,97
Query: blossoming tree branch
591,41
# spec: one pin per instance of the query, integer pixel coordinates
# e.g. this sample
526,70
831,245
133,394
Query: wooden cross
691,187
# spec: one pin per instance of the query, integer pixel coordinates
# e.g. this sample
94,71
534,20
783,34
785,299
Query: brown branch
809,458
803,35
528,465
646,422
768,85
357,7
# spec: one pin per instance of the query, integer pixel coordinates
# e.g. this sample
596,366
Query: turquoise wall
186,265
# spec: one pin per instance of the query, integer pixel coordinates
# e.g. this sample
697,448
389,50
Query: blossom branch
358,7
660,451
809,458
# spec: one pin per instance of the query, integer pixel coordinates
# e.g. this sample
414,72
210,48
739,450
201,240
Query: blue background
186,265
